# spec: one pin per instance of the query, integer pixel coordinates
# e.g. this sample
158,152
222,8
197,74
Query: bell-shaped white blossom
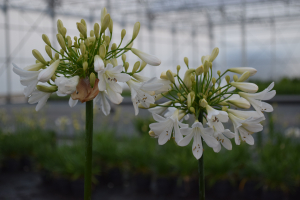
110,76
38,97
215,118
244,114
27,78
238,101
197,132
161,108
256,99
223,138
166,84
66,85
102,102
113,94
142,92
35,67
72,102
98,63
246,127
164,127
246,87
149,59
241,70
47,73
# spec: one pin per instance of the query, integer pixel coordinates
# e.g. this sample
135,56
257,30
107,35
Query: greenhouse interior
147,67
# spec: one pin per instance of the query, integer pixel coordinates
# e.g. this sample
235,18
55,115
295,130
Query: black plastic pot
164,186
114,177
186,188
222,189
62,185
11,164
46,177
251,190
142,183
268,194
26,163
77,188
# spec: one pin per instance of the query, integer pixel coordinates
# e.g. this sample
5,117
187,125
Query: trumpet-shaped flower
215,118
246,87
222,138
27,78
102,102
166,84
47,73
149,59
164,127
142,92
160,109
256,99
197,132
238,101
110,76
66,85
40,98
244,114
245,127
241,70
98,63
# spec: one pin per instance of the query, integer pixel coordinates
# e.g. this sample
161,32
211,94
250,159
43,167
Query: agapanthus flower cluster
87,68
215,100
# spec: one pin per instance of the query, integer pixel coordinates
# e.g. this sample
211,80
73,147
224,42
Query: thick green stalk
88,151
201,167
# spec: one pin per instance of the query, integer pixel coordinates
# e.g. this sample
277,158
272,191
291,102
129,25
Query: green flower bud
85,65
143,65
111,25
105,23
48,51
227,78
214,54
244,76
136,30
38,56
235,78
82,48
82,29
203,103
92,79
136,67
126,66
113,46
96,29
48,89
61,41
178,68
46,39
219,73
102,51
170,76
186,61
199,70
192,109
124,58
123,33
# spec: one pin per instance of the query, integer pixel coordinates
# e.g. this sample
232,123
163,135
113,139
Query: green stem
201,168
88,151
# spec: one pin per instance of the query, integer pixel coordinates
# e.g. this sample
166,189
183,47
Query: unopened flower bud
213,80
126,66
227,78
107,40
85,65
189,100
214,54
210,93
152,134
203,103
83,22
102,51
82,29
48,89
35,67
123,33
178,68
244,76
96,30
46,39
48,51
143,65
69,41
186,61
113,46
64,31
178,94
136,66
92,79
136,30
61,41
224,108
59,26
105,23
82,48
241,70
187,78
170,76
163,75
219,73
39,56
192,109
114,62
111,25
149,59
199,70
103,14
206,66
235,78
124,58
62,51
92,33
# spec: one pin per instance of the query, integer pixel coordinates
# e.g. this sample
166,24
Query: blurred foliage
285,86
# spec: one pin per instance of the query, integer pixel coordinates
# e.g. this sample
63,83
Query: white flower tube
40,98
35,67
166,84
244,114
164,126
241,70
222,138
102,102
47,73
98,63
149,59
160,109
27,78
239,102
246,87
197,132
66,85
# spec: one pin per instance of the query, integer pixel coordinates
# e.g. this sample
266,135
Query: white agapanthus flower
246,87
40,98
102,102
256,99
27,78
166,84
72,102
246,127
109,76
161,108
164,127
149,59
216,121
197,132
223,138
66,85
47,73
142,92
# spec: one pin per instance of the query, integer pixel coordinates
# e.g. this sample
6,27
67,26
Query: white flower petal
197,146
186,140
72,102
